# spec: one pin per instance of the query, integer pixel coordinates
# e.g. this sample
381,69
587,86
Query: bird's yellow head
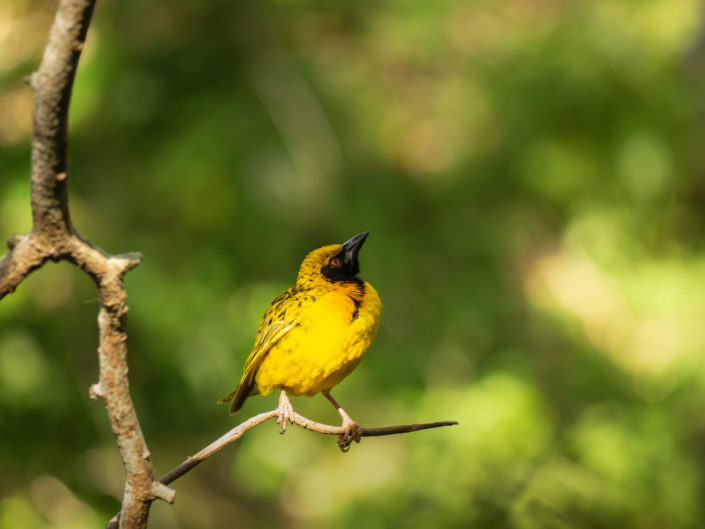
332,264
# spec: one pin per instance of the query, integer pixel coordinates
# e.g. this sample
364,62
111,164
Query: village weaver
314,334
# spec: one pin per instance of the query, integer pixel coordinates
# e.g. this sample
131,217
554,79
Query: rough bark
53,237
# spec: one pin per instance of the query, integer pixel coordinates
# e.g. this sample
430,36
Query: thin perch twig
305,423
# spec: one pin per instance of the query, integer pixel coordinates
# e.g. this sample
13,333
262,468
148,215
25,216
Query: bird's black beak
350,250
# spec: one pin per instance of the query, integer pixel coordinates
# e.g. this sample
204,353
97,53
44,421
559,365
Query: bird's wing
279,319
266,338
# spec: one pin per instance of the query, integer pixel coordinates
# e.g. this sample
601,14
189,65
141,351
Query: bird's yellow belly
324,348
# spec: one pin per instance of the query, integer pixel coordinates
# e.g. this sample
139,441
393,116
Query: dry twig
237,432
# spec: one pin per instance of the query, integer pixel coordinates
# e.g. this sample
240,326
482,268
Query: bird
313,335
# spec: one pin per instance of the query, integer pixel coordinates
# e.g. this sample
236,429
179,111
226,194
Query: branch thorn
14,241
163,492
29,79
96,391
127,261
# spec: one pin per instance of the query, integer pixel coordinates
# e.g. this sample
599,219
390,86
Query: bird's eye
335,261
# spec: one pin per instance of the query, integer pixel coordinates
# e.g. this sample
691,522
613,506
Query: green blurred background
531,172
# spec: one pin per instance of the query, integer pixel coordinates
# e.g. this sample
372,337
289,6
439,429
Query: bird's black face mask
345,266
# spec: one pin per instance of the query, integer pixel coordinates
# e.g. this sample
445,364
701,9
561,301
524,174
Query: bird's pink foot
352,433
285,411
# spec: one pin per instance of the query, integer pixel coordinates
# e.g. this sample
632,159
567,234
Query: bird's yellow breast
331,334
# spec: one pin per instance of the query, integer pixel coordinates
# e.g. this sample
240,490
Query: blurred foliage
532,176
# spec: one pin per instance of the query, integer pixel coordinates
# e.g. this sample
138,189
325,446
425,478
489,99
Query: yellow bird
314,334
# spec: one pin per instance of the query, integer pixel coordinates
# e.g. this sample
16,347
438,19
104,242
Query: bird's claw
285,412
352,433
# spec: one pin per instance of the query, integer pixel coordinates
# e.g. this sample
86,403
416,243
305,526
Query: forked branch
53,237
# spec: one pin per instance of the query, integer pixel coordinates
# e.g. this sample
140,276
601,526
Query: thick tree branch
53,237
237,432
52,84
24,256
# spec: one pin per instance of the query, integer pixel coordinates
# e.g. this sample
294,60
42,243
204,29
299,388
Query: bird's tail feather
237,396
